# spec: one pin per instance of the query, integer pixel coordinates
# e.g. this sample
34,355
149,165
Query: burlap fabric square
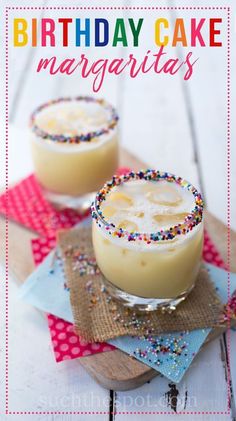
98,318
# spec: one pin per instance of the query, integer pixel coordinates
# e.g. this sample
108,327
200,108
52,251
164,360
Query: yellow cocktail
148,237
74,147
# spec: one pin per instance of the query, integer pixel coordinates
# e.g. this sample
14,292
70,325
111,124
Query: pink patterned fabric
211,254
27,206
66,344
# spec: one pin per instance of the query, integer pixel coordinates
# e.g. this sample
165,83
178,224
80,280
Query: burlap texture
97,318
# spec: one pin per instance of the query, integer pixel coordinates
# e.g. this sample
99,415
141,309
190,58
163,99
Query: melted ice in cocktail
147,206
72,118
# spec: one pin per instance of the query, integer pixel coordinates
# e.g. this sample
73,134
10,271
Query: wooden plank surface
36,382
163,126
193,395
206,98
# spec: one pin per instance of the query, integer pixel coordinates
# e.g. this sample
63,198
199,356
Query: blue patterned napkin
170,354
45,288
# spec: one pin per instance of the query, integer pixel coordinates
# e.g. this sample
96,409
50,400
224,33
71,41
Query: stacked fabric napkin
170,354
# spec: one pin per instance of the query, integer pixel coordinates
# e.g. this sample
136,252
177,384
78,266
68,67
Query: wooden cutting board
113,370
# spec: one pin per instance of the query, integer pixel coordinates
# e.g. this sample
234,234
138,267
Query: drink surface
147,206
72,118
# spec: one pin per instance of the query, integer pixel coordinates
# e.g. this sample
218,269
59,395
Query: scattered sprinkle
171,347
229,310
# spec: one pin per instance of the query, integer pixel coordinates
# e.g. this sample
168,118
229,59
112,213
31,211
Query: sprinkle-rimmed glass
152,268
75,148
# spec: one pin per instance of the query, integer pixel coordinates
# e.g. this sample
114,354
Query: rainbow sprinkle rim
193,219
87,137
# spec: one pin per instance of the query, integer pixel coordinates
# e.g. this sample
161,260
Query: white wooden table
173,125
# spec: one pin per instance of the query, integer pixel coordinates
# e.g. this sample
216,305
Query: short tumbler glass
74,144
148,270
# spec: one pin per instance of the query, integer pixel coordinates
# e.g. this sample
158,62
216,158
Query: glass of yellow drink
75,148
148,238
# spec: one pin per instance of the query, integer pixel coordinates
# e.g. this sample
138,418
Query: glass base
62,201
141,304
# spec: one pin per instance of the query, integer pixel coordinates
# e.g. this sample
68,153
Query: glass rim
193,219
83,137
